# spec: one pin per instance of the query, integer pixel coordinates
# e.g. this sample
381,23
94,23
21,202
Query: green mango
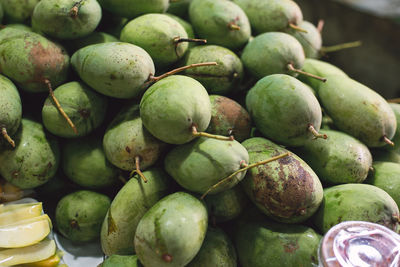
283,109
217,250
339,159
358,110
172,231
114,69
261,243
35,158
134,8
126,138
93,38
31,59
386,176
18,11
271,53
396,138
202,163
86,109
229,118
133,200
85,163
356,202
287,190
172,106
121,261
311,41
271,15
186,25
10,107
221,79
321,69
156,34
79,215
66,19
179,8
385,155
220,22
226,205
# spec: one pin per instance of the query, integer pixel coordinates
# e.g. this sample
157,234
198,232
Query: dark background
377,62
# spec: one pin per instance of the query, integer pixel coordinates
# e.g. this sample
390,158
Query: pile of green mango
191,132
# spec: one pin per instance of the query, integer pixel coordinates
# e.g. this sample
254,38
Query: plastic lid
360,244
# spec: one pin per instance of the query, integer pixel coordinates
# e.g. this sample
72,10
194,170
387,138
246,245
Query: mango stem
153,79
234,27
191,40
137,170
204,134
242,170
297,28
334,48
73,12
292,68
320,25
58,106
7,137
316,133
387,141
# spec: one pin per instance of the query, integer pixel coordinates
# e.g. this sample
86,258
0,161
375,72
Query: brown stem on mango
297,28
316,133
387,141
234,27
178,40
242,170
320,25
58,106
7,137
137,170
73,12
334,48
292,68
153,79
204,134
74,224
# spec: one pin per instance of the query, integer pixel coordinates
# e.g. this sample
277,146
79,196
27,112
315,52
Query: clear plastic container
359,244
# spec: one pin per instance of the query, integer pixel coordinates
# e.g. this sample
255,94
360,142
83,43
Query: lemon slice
20,212
38,252
25,233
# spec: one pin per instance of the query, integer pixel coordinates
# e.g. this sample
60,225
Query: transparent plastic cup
359,244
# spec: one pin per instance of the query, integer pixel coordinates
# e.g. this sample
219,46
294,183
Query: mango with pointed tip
156,34
119,226
356,202
114,69
358,110
30,59
271,53
220,22
126,138
271,15
311,41
35,158
283,108
85,108
204,162
79,215
56,19
339,159
171,106
286,190
221,79
172,231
